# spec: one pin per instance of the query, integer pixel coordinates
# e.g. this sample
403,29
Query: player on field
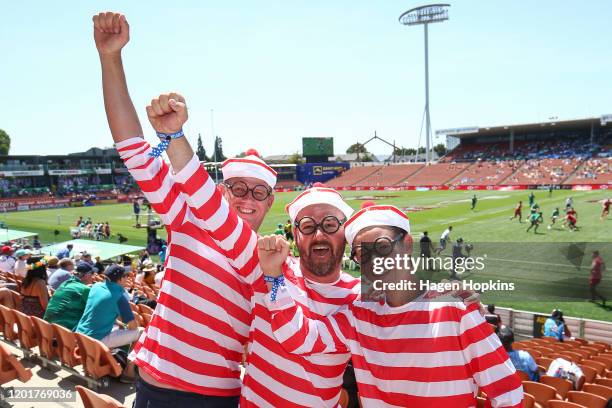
605,209
535,219
531,199
444,238
597,268
474,201
553,217
518,212
571,218
569,203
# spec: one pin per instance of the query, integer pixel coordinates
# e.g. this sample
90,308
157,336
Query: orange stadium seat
96,357
10,321
599,367
586,399
541,392
25,330
16,297
604,381
11,368
68,351
528,400
589,373
561,385
92,399
598,389
145,309
45,334
564,404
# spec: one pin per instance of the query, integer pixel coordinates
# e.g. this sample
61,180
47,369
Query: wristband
165,142
276,281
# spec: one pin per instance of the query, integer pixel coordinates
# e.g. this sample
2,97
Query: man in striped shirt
407,351
191,351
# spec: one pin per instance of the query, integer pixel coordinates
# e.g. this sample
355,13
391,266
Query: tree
218,155
440,149
295,158
421,150
356,148
201,152
241,154
5,142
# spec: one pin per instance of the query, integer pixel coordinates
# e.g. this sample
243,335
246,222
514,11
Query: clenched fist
111,32
167,113
273,251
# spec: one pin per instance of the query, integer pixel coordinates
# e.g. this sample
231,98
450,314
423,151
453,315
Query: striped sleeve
488,362
299,334
154,178
234,236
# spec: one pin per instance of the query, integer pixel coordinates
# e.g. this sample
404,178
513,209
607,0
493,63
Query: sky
276,71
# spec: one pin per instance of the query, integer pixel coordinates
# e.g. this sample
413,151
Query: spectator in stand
554,325
494,319
36,243
79,222
136,207
64,253
521,359
108,300
52,265
98,267
34,293
21,264
86,257
7,260
66,266
68,302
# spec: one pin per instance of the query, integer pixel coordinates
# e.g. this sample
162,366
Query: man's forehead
320,211
249,181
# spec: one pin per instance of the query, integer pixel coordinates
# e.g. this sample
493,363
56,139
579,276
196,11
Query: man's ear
408,242
224,191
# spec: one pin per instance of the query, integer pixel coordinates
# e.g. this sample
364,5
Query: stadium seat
541,392
344,398
11,368
564,404
573,343
573,357
528,400
68,351
134,307
523,375
145,309
592,350
598,389
599,367
604,381
586,399
10,321
545,351
589,373
605,360
46,336
17,297
146,318
25,331
562,386
92,399
96,357
601,345
544,361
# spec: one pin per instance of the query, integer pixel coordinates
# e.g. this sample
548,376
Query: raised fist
273,251
167,113
111,32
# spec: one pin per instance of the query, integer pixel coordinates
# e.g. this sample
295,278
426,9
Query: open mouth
320,250
245,211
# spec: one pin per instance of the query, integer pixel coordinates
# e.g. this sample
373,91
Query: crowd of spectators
80,292
593,168
87,228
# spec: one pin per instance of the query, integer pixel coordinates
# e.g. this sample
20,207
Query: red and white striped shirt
422,354
273,377
196,336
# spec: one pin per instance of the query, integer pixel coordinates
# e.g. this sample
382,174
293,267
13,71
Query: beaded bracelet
165,142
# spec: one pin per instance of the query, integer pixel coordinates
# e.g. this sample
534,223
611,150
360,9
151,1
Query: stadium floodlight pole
424,15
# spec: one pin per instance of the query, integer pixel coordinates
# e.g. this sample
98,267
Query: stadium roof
105,250
553,124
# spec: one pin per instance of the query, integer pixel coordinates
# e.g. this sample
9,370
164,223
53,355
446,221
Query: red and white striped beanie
372,215
250,166
318,196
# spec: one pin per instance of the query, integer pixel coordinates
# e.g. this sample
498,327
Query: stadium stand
353,176
390,175
435,174
486,173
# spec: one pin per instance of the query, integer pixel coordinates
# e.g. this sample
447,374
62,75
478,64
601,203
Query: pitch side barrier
530,324
576,187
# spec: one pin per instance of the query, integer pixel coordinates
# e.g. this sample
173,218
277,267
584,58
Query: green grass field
433,212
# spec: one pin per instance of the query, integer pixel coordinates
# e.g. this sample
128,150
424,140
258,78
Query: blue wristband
277,282
165,142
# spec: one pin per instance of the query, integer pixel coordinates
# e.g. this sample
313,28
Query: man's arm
488,362
111,34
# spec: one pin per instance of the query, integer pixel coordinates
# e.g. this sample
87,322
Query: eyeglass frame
393,243
318,225
248,189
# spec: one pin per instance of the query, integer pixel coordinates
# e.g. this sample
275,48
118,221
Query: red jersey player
518,212
605,210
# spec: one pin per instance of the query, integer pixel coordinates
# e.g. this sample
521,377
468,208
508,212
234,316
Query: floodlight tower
431,13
